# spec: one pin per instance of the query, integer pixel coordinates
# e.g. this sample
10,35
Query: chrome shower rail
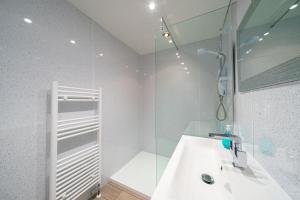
163,21
72,175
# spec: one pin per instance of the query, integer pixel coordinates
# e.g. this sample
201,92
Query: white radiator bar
80,158
78,130
78,122
72,175
70,172
76,127
83,189
74,119
78,100
75,175
82,133
75,185
76,88
77,153
77,92
84,176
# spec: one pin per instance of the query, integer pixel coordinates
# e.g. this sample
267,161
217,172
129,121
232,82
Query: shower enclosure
185,88
194,80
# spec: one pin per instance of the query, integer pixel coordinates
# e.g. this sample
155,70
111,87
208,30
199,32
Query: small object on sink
228,130
227,143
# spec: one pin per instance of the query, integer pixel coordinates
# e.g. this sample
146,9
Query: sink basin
194,156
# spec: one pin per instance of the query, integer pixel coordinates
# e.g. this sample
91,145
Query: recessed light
247,52
27,20
170,41
178,56
152,5
101,54
260,39
188,72
293,6
185,68
182,63
266,33
137,70
72,41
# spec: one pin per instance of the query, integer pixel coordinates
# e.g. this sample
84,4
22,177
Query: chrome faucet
239,156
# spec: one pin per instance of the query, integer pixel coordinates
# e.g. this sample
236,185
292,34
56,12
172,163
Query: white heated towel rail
72,175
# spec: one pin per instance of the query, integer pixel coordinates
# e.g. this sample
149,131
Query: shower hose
221,107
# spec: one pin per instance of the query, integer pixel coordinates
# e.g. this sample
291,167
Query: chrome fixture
222,81
166,32
219,55
239,156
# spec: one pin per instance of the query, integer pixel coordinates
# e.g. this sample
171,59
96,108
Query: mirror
269,44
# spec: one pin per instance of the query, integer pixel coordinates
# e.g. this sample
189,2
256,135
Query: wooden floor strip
113,191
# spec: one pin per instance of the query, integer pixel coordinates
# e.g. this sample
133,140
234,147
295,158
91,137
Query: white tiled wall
268,121
34,55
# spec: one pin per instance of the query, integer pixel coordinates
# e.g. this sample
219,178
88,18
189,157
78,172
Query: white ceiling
134,24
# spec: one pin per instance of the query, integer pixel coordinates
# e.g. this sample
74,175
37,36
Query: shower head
202,51
221,56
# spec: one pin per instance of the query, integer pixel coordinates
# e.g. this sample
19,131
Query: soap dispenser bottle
227,143
228,130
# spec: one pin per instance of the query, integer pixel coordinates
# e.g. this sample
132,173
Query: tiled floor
113,191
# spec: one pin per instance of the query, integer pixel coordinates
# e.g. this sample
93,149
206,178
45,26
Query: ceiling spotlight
170,41
137,71
182,63
27,20
187,72
101,54
178,56
293,6
185,68
247,52
72,41
152,5
266,33
166,34
260,39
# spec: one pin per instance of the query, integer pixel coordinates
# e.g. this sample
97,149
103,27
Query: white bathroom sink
195,156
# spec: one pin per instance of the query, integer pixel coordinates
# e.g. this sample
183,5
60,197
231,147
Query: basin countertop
194,156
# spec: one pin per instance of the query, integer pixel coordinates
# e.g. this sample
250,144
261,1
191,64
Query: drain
206,178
